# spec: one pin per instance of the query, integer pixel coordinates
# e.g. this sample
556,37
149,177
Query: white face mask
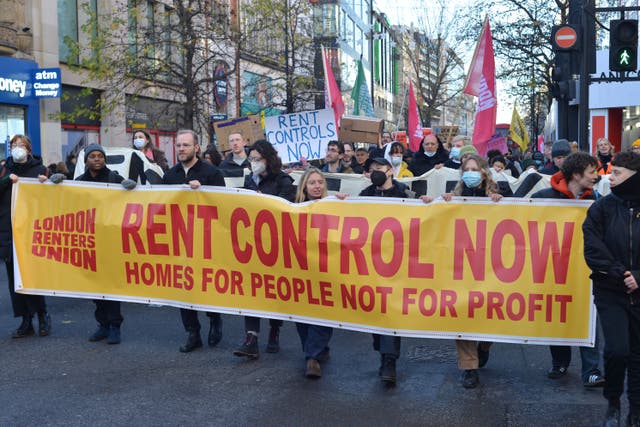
396,161
19,154
139,143
258,167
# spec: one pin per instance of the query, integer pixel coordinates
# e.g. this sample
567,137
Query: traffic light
561,69
623,45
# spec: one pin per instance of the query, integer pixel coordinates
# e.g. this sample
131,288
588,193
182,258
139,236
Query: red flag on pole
414,127
481,82
332,95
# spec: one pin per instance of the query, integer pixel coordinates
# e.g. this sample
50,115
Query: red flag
332,95
414,128
481,82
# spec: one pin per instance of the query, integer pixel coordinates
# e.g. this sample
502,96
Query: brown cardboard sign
248,126
360,129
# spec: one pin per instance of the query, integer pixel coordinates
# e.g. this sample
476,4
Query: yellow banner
511,271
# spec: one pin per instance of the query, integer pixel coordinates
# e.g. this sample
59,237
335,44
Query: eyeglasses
255,159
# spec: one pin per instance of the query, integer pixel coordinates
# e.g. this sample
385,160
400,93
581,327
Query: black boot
25,329
612,417
387,370
101,333
193,342
215,330
249,348
114,335
44,324
273,346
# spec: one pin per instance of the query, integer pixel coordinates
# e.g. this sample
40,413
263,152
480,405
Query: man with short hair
575,180
333,159
559,151
383,185
237,161
196,173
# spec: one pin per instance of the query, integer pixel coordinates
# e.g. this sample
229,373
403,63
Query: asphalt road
65,380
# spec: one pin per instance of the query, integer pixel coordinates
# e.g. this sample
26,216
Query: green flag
360,94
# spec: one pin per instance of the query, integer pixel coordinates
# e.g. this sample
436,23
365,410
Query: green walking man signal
623,45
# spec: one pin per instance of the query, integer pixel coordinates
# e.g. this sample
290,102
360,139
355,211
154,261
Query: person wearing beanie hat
612,251
559,150
466,151
91,148
107,312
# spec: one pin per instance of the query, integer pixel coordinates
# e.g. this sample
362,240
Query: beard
186,158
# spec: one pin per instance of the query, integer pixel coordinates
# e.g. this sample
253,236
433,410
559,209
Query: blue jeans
387,345
561,356
314,339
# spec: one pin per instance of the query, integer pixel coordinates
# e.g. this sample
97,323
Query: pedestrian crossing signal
623,45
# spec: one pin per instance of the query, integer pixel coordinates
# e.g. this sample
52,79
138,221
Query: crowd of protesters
611,232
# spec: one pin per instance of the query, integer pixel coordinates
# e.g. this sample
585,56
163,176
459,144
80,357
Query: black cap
560,148
379,160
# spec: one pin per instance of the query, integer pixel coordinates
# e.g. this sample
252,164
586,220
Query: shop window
12,122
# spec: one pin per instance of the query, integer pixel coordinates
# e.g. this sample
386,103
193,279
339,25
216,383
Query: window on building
67,30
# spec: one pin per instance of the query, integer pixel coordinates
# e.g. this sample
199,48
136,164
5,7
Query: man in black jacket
383,185
612,251
575,180
194,172
559,151
237,161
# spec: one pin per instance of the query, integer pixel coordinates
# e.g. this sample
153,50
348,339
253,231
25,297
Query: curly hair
267,152
577,163
487,183
301,193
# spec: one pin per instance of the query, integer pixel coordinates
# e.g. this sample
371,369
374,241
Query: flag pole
404,98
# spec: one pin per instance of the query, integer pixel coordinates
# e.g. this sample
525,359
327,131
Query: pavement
65,380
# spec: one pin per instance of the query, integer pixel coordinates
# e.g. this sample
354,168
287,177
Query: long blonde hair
487,183
301,193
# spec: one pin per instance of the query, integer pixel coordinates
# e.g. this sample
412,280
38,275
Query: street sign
564,37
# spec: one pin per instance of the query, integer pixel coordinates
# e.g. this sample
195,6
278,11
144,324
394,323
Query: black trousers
108,313
253,323
620,320
23,305
190,319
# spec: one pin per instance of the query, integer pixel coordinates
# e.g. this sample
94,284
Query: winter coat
230,168
201,171
560,190
280,185
105,175
612,238
422,164
31,169
398,189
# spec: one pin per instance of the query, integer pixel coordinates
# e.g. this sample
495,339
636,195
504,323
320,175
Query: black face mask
378,178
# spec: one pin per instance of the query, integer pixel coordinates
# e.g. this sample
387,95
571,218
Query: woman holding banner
21,163
266,177
314,338
475,181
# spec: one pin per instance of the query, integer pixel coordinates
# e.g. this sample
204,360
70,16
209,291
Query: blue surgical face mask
472,178
426,153
395,161
455,153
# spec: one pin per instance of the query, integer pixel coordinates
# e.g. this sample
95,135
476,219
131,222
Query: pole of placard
404,98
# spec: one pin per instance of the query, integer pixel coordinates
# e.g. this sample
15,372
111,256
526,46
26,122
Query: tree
144,49
279,35
432,55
